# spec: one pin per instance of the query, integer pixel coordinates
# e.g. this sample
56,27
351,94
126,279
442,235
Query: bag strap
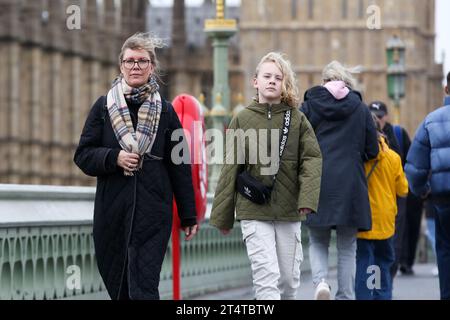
283,142
283,139
373,169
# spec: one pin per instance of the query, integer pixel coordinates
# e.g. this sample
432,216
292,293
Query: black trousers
443,247
413,219
399,234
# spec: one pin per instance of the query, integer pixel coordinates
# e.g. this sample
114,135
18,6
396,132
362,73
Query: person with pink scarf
347,137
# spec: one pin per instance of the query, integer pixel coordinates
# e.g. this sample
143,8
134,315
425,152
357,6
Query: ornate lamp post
220,30
396,73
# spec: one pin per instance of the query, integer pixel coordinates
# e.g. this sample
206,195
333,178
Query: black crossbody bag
253,189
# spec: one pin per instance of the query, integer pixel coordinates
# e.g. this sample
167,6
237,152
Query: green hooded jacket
298,180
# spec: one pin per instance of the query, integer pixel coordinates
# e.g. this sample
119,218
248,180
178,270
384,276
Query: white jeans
275,252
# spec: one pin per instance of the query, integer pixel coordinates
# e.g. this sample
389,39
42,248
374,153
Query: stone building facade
50,75
314,32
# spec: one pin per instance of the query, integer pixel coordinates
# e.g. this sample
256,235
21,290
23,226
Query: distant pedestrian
386,181
430,218
409,216
347,137
428,172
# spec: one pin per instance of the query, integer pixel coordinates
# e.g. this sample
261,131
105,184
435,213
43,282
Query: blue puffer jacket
428,161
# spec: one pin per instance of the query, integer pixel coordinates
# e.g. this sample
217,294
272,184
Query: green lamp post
220,30
396,73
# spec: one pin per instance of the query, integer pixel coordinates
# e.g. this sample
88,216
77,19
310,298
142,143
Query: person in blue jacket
428,173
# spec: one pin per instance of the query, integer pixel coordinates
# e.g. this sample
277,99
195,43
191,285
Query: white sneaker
323,291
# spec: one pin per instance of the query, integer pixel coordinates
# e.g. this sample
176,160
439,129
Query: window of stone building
361,9
118,12
236,57
429,18
344,9
101,12
293,9
45,16
311,9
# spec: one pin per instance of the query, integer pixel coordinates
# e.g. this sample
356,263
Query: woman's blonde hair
145,41
335,71
289,89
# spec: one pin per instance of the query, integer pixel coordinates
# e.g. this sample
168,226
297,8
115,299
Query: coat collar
264,107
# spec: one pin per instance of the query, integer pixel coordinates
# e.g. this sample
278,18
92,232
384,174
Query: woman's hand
225,232
128,161
190,232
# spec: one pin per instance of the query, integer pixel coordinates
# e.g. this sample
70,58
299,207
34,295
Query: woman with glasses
126,143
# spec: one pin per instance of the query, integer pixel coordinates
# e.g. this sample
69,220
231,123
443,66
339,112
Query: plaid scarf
149,113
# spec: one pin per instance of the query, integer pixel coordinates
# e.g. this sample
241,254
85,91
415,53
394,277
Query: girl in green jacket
271,230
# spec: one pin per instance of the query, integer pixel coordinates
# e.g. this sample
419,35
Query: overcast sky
442,26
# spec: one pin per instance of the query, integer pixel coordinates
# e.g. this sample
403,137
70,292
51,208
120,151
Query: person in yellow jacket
375,248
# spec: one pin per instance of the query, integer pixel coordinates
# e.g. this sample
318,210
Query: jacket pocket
248,229
256,250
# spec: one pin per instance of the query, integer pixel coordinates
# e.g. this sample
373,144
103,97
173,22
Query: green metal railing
46,236
35,262
210,262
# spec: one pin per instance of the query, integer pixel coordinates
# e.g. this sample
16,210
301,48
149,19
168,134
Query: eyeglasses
142,64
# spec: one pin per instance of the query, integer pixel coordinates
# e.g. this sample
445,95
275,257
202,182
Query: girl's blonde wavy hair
289,89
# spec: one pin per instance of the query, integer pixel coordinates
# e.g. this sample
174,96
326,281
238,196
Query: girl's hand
304,211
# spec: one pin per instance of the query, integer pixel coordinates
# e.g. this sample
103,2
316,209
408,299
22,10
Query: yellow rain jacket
386,183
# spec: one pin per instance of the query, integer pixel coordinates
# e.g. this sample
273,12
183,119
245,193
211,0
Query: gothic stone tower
50,77
314,32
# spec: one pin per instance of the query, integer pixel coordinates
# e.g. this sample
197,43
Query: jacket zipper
125,265
269,117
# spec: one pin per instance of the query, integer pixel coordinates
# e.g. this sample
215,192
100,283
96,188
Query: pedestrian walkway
423,285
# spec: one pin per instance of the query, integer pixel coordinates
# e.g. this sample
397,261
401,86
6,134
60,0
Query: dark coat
133,215
347,137
402,147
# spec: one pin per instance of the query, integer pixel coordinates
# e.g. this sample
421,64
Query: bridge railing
47,251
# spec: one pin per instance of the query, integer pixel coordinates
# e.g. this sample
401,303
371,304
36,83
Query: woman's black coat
347,137
133,215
